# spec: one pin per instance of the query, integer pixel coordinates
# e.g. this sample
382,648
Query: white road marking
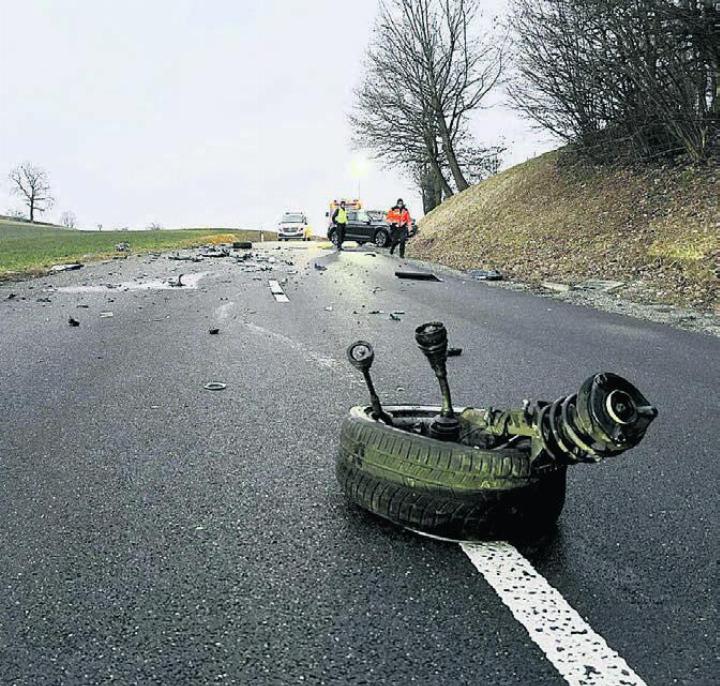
277,292
581,656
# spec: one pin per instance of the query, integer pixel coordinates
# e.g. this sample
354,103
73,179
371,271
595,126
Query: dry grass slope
657,229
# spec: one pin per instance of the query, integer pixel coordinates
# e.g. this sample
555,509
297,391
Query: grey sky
192,113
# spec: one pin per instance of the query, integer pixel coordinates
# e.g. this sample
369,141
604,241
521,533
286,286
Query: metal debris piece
185,258
485,274
454,352
106,315
73,322
557,287
177,283
320,267
213,332
417,276
395,317
223,252
215,386
66,267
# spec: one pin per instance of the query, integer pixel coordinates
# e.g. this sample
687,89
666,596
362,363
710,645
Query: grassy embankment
27,249
657,229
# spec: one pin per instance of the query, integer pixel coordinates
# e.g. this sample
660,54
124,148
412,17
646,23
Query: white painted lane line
277,292
581,656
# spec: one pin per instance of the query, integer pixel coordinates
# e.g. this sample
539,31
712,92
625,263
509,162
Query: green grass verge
27,250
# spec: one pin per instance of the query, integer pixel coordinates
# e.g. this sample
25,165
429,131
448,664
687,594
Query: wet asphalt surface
152,531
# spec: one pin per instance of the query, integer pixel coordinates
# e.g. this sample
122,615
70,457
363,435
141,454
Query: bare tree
68,220
425,73
32,185
154,226
621,77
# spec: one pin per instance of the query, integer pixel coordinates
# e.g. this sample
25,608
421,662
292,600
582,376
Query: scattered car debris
66,267
454,352
320,267
12,296
84,307
485,274
603,285
122,247
177,283
557,287
223,252
215,386
43,300
376,312
73,322
418,276
242,245
106,315
395,317
185,258
214,332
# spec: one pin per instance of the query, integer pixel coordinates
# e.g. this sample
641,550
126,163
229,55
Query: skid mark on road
327,362
581,656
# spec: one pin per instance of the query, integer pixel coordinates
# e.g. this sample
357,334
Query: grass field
28,250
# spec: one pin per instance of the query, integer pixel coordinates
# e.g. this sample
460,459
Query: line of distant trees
621,80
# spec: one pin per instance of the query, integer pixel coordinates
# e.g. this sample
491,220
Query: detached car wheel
382,238
445,489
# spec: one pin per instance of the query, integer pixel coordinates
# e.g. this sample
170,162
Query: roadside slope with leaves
657,228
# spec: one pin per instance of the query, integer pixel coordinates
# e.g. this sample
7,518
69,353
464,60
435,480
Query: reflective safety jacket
399,216
340,216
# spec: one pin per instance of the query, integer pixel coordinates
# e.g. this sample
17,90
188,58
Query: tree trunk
32,209
449,151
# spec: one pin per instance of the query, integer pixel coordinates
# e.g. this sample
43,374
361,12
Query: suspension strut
606,417
361,356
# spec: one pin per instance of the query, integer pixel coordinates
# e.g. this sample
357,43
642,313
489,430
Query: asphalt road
152,531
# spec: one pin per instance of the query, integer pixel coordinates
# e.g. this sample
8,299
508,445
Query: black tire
382,238
445,489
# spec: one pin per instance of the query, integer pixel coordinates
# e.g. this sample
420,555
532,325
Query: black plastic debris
454,352
418,276
73,322
242,245
12,296
395,317
213,332
43,300
320,267
485,274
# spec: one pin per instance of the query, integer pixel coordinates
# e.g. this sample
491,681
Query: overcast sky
197,113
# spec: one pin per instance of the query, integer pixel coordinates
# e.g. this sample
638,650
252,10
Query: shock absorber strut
432,340
606,417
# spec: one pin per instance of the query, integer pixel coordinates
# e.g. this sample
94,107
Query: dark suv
364,227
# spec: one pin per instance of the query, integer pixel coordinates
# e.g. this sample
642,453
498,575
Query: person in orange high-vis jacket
399,219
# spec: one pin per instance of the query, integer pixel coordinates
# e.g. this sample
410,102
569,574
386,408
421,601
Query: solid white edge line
581,656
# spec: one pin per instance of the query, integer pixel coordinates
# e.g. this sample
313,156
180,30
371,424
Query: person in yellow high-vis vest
339,220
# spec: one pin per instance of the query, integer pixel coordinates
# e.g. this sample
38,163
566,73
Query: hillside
27,249
658,230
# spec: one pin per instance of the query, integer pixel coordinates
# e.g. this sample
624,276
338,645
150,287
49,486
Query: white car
293,225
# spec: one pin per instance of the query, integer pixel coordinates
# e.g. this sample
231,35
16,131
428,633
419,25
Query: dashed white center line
581,656
277,291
